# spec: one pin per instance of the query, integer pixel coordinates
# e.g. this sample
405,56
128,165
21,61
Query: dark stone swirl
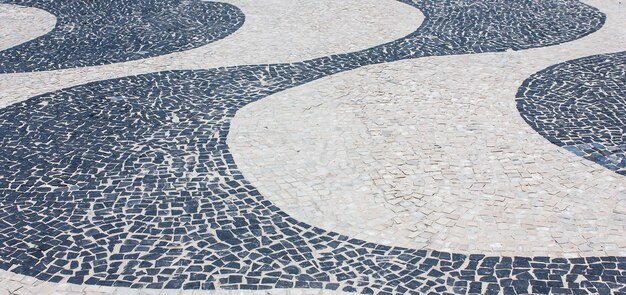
90,33
580,105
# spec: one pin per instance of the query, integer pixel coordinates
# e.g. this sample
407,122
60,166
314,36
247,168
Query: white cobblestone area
304,30
26,23
432,153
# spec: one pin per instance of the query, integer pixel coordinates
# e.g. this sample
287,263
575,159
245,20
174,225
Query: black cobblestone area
89,33
580,105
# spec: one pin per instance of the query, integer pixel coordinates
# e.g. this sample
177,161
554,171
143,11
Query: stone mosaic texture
129,182
432,153
303,31
89,33
26,23
581,105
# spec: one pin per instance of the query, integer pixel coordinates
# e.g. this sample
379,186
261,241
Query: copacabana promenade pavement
297,147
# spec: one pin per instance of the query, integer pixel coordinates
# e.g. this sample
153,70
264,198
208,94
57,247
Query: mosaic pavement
103,32
180,177
579,105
